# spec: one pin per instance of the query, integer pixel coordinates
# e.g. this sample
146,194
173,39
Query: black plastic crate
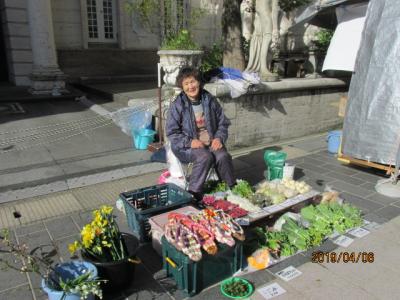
142,204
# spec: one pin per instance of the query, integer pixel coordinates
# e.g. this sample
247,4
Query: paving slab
317,281
33,227
350,188
10,278
345,178
291,293
18,293
389,212
57,204
61,227
314,168
34,175
382,199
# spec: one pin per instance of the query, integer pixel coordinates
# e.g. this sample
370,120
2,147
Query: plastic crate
144,203
192,277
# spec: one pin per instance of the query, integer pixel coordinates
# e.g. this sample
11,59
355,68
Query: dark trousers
203,159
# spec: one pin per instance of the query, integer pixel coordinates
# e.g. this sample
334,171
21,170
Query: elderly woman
198,129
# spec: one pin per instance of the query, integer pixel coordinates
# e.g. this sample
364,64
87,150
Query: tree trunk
232,35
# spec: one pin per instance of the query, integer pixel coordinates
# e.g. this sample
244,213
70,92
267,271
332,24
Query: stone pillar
46,76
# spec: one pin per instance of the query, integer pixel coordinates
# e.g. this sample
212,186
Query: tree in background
231,31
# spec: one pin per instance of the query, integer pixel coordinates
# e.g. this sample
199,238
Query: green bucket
275,162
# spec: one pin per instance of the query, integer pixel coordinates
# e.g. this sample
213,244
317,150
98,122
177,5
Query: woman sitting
197,129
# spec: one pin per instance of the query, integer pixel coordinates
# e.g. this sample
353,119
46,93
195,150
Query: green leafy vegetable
243,189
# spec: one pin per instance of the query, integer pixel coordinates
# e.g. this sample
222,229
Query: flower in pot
112,252
73,280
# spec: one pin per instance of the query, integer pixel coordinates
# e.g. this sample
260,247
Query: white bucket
288,171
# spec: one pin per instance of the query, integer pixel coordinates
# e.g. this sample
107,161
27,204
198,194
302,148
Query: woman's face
191,87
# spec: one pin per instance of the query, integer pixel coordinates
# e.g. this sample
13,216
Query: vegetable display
317,222
276,192
234,210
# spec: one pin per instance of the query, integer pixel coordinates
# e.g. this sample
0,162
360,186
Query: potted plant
176,51
73,280
317,50
112,252
178,47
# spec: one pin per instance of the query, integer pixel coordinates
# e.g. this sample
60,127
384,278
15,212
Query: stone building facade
43,40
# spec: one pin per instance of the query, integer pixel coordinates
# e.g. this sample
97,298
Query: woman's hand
196,144
216,144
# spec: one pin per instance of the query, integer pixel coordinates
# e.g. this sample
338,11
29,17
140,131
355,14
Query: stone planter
173,60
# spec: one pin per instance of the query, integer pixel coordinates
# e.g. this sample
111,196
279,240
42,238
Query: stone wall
17,40
281,110
67,24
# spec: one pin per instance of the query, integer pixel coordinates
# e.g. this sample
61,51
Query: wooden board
342,106
272,210
364,163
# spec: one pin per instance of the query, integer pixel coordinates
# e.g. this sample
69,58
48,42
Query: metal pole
160,132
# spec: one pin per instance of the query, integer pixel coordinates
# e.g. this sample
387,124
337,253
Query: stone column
46,76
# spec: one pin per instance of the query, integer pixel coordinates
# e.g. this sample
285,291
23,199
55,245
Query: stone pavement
56,145
378,280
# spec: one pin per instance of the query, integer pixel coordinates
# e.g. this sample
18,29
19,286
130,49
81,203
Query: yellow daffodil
73,247
107,210
88,235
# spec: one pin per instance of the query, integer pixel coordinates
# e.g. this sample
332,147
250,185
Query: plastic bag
278,224
174,165
132,118
329,195
260,259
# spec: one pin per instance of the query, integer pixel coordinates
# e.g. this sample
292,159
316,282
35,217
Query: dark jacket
181,126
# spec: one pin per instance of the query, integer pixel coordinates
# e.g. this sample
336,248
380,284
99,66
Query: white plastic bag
174,165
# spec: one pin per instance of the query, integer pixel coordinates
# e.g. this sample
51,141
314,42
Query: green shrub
212,58
181,41
323,39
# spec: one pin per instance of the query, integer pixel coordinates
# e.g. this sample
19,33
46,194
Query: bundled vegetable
330,217
297,235
243,189
299,186
276,241
214,186
242,202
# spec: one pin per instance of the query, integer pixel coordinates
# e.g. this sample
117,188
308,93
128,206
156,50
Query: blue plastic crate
142,204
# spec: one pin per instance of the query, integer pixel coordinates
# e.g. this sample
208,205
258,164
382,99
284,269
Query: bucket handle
171,262
135,261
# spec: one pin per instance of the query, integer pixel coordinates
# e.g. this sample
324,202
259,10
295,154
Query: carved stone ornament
173,60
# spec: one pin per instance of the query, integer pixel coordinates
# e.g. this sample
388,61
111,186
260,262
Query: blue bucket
69,270
334,138
142,138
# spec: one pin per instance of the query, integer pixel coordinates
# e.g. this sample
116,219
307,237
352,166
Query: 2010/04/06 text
344,257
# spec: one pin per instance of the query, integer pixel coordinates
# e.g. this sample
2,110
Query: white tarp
342,51
371,128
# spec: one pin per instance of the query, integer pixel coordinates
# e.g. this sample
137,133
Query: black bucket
119,274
